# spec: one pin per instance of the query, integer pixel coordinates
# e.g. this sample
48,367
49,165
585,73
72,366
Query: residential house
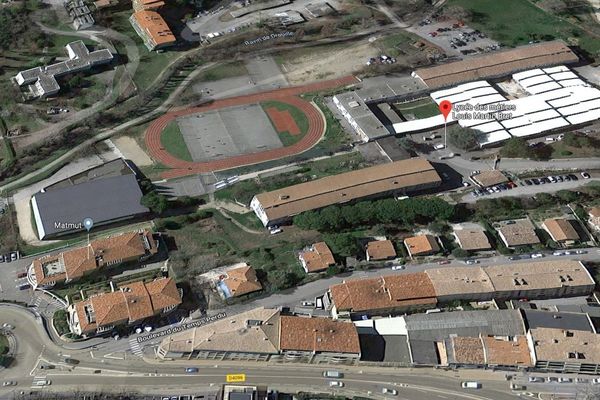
561,230
239,281
518,233
317,258
472,239
421,245
379,250
129,304
594,218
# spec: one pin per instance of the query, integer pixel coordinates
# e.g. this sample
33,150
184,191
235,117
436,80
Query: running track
316,129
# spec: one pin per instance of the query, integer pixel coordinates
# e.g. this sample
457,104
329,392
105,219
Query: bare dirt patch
132,151
326,62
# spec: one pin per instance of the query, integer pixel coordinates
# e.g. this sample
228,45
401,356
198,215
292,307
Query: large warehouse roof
497,64
399,175
104,200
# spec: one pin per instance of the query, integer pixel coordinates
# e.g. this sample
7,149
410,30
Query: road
34,349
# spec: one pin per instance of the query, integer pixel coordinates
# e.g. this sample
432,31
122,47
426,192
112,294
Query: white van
439,146
333,374
471,385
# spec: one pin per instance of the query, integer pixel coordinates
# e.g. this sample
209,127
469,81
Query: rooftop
472,239
558,320
497,64
566,345
561,229
154,27
318,258
242,281
380,250
131,302
503,351
318,335
489,178
104,200
383,292
341,188
421,245
74,263
254,331
467,350
456,280
519,233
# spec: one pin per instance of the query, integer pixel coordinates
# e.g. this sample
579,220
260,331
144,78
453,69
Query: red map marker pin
445,108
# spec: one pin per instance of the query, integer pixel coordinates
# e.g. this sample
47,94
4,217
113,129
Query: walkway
287,95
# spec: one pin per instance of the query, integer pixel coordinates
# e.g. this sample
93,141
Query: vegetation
229,70
387,211
5,360
463,138
517,22
60,322
172,140
516,147
422,108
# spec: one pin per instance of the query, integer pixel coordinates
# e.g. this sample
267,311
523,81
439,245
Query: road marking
136,348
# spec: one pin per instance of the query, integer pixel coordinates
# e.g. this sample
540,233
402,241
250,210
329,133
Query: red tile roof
318,335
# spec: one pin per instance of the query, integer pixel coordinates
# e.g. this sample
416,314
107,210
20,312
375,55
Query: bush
60,322
460,253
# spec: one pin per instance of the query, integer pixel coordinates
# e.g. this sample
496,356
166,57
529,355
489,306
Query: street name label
236,378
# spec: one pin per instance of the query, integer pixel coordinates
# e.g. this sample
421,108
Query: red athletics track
316,129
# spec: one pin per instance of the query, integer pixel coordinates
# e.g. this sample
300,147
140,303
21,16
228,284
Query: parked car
471,262
9,383
8,326
21,274
582,380
537,255
528,182
551,379
72,361
595,381
558,253
564,380
275,231
191,370
308,304
393,392
398,267
444,262
585,175
470,385
536,379
336,384
1,258
333,374
24,286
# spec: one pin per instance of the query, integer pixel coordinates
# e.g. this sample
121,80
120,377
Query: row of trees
406,212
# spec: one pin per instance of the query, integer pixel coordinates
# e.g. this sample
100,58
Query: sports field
288,121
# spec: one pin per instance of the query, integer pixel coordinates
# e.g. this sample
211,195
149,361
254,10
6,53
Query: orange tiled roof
242,281
132,302
380,250
100,252
561,229
507,352
468,350
318,335
154,26
319,258
421,244
384,292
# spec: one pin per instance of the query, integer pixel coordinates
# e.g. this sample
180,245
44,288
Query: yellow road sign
236,378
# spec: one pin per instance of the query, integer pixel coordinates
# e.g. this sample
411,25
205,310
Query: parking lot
453,37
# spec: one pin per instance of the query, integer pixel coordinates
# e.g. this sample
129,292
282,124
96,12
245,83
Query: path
106,133
287,95
101,36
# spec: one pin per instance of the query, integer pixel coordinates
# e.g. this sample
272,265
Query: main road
35,350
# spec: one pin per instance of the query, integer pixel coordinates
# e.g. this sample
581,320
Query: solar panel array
557,98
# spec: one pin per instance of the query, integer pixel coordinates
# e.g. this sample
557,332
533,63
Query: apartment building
152,28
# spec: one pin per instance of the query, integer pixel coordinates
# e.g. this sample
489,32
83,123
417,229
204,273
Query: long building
127,305
73,264
407,292
401,177
152,28
496,65
263,334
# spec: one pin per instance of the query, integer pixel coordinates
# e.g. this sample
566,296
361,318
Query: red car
443,262
21,274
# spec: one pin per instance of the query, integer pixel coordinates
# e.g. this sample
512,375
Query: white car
439,146
336,384
596,381
8,326
565,380
308,304
9,383
537,379
537,255
275,231
148,328
558,253
393,392
398,267
138,330
585,175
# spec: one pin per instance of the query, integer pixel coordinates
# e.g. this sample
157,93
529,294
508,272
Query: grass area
4,347
516,22
422,108
151,63
7,153
230,70
398,44
335,138
244,191
216,241
576,146
248,219
299,117
172,140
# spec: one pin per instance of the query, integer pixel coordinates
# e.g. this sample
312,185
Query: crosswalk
40,301
39,381
136,348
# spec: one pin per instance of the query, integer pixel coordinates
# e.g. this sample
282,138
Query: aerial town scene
299,199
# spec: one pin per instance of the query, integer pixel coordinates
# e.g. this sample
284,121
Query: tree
515,147
460,253
157,203
464,139
342,244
